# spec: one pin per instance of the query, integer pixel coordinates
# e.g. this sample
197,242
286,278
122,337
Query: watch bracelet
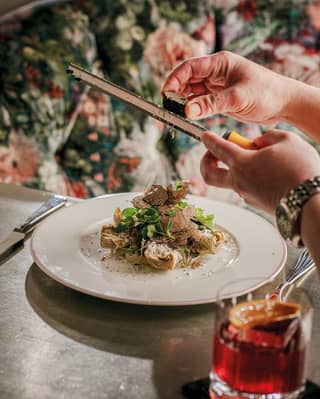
301,193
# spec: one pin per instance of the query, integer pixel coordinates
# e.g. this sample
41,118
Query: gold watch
288,211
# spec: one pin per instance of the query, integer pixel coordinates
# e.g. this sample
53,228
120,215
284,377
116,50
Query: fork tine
303,264
305,254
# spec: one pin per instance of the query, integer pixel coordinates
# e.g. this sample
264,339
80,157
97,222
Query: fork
303,264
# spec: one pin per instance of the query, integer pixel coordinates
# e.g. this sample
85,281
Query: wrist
310,227
296,93
310,211
289,212
301,106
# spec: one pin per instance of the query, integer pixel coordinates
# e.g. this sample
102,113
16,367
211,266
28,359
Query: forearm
310,227
303,108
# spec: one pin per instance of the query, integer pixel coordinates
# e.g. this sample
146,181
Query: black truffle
174,102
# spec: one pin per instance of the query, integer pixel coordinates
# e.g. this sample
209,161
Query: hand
261,177
229,84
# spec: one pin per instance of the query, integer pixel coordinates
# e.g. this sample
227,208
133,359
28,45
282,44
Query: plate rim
147,302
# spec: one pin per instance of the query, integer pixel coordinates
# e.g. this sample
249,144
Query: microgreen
151,230
129,212
171,213
181,205
204,220
147,216
178,186
168,230
148,221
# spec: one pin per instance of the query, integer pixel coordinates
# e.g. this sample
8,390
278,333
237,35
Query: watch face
284,222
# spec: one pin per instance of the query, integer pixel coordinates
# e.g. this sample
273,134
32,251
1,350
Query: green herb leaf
151,230
171,213
205,220
168,230
129,212
178,186
181,205
148,215
144,232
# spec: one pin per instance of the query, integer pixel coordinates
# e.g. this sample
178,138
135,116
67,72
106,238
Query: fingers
223,150
197,69
212,173
223,102
190,71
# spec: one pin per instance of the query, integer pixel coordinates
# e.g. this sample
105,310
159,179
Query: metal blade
19,234
12,241
53,203
192,129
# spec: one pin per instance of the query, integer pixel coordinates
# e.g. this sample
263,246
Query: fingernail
194,110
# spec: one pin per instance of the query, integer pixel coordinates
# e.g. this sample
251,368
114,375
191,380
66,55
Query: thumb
270,137
222,102
225,151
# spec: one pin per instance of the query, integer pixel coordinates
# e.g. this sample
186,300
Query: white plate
66,247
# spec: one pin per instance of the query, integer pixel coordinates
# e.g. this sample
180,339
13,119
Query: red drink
264,359
260,345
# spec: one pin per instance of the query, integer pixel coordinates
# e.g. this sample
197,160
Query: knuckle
282,134
228,100
285,135
224,54
208,104
233,98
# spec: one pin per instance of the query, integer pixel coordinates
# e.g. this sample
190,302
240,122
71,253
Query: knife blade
19,234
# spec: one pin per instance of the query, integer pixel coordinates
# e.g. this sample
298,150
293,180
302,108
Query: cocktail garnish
261,312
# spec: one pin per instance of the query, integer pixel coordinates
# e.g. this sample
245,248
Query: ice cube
277,334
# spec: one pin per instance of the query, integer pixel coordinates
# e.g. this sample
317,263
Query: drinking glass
260,344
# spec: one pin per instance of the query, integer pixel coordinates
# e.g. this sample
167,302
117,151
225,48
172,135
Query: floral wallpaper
58,135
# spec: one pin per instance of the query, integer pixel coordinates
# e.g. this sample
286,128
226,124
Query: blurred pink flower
19,161
166,47
207,32
93,136
294,70
297,62
77,189
247,9
95,157
92,120
98,177
88,106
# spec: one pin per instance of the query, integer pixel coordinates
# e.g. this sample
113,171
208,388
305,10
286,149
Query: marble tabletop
58,343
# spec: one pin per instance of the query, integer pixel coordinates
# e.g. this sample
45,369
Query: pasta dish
162,229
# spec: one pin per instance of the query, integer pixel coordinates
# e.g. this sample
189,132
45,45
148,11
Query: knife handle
54,203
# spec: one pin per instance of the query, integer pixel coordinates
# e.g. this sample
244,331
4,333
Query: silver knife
18,235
